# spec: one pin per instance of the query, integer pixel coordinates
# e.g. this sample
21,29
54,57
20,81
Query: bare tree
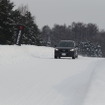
23,9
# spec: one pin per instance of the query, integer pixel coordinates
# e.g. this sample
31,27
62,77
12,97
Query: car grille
64,50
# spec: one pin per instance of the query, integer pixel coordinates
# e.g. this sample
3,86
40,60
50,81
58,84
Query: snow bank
10,54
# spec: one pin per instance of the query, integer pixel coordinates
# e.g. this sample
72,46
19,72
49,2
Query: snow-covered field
29,75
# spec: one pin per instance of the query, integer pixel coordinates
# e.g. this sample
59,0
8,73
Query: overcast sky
50,12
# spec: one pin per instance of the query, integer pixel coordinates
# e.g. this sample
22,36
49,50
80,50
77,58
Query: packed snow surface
29,75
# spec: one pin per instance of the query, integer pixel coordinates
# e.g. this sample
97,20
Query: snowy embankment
29,75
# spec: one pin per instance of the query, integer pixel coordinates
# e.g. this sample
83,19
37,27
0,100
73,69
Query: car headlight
56,49
72,50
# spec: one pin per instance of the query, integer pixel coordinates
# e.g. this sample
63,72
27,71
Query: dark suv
66,48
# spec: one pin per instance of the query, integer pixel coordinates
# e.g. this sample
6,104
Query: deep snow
29,75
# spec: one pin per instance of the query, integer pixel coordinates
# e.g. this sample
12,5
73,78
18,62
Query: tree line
80,32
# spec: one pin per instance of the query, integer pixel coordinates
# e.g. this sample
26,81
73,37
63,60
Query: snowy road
30,76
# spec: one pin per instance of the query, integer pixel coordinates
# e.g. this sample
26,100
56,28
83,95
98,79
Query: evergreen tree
23,17
31,33
6,29
90,49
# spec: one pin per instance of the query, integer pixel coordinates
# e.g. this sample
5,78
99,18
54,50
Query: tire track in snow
76,87
96,90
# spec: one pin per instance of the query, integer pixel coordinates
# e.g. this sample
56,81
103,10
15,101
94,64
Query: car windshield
66,44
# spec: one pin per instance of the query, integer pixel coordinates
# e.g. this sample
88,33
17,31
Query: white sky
50,12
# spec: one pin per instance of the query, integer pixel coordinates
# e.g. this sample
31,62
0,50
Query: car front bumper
64,54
